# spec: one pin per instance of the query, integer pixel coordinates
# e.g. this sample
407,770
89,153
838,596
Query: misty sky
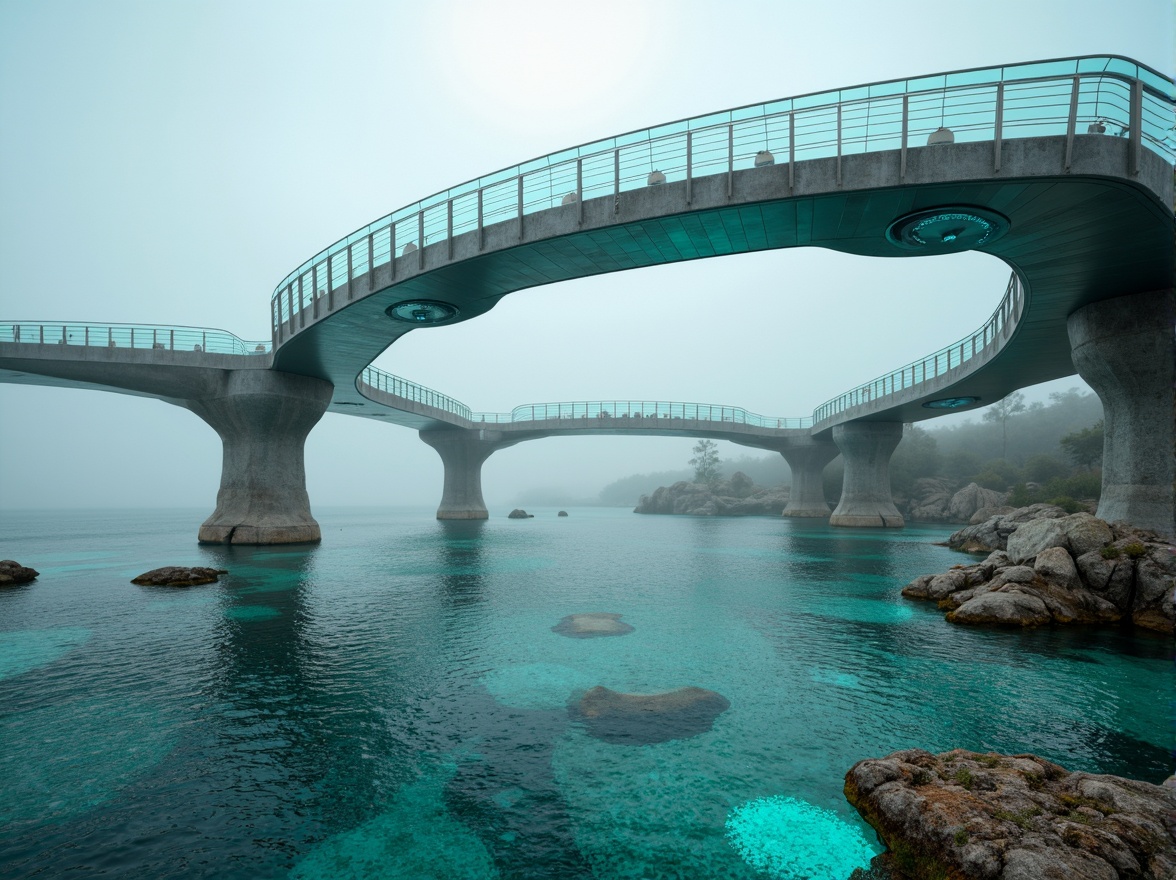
170,162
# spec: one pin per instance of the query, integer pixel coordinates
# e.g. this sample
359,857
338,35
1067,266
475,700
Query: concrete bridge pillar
263,418
865,494
807,461
1125,349
462,453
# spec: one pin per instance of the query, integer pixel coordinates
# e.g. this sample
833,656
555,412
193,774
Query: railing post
579,192
481,239
330,287
730,161
616,180
520,206
839,143
998,128
689,165
371,262
204,341
171,342
1071,122
392,252
421,232
791,151
449,228
350,271
88,336
1135,121
289,307
903,153
42,326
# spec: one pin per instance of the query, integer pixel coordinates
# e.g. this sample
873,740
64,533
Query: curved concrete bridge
1063,169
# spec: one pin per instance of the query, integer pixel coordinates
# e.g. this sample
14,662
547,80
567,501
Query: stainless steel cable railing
981,343
150,336
1104,95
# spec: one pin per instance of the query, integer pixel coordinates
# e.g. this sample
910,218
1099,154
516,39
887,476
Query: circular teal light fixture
948,229
951,402
421,311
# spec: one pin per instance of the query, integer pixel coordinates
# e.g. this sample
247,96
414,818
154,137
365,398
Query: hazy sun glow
526,63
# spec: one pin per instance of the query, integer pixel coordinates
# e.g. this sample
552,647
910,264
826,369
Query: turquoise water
394,703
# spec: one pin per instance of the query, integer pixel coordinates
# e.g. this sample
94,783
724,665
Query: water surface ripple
395,703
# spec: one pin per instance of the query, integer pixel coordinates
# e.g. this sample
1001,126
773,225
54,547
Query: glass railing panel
972,77
1041,69
937,82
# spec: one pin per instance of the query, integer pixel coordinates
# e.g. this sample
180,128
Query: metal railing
152,336
1105,95
984,341
380,380
643,411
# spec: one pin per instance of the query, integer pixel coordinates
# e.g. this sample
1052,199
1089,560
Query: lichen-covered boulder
975,816
993,533
179,576
13,573
1078,533
1006,607
643,719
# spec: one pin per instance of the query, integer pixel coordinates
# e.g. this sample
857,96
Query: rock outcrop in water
738,496
13,573
591,626
642,719
179,576
1055,568
972,816
519,513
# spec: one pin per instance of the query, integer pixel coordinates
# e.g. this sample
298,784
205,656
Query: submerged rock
642,719
519,513
997,817
13,573
178,576
591,626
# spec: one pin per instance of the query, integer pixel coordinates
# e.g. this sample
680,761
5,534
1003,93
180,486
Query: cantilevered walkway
1063,169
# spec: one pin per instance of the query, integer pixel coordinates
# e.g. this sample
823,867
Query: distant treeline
1038,452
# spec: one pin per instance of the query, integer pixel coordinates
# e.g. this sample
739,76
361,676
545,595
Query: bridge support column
263,418
807,461
462,453
865,494
1124,348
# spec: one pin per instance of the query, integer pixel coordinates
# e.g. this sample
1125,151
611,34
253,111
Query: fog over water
170,163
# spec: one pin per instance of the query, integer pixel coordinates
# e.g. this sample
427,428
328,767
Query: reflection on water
395,702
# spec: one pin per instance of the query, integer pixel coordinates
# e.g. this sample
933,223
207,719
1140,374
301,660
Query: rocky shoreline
738,496
972,816
1047,566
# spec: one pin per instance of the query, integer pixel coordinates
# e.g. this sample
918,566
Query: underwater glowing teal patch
247,613
417,838
27,649
791,839
536,685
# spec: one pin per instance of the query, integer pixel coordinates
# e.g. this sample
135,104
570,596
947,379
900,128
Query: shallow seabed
394,703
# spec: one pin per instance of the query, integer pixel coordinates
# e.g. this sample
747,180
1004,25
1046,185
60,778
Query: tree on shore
705,461
1085,447
1000,412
